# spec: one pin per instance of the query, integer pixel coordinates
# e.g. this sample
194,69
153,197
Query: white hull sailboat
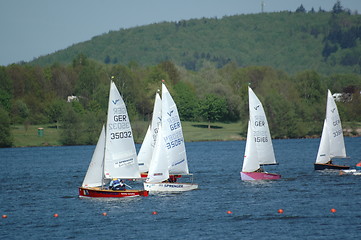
259,148
332,143
114,155
169,155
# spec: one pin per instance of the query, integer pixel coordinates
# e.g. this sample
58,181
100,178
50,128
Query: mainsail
337,144
260,130
332,143
172,133
120,154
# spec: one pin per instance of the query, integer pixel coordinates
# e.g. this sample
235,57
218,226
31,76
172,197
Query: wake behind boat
332,143
259,148
169,157
114,155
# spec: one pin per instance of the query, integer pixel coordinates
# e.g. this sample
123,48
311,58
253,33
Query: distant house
72,98
342,97
336,96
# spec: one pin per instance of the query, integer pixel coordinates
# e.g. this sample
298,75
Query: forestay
120,154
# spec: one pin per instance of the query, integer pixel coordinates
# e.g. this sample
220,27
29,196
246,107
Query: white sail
260,130
158,170
147,148
93,177
323,155
120,154
173,135
250,161
337,145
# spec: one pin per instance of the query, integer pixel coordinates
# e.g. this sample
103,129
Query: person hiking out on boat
116,184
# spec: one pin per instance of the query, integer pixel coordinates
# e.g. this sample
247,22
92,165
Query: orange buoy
104,214
5,216
229,212
280,210
333,210
56,215
154,213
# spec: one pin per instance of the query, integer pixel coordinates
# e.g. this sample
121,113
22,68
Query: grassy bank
193,132
29,136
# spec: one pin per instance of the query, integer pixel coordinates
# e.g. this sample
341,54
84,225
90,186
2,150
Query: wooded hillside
327,42
289,60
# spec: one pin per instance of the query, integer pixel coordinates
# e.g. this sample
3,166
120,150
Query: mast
105,145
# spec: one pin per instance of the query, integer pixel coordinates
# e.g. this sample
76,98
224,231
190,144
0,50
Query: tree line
294,104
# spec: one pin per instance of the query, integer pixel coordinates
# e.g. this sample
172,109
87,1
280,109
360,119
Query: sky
32,28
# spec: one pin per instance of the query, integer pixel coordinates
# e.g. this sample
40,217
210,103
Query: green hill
290,41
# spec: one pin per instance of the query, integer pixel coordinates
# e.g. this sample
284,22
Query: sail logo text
172,186
116,101
123,163
255,108
170,113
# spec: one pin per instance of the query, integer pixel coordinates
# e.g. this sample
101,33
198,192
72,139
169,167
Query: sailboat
259,148
114,155
147,148
332,143
169,155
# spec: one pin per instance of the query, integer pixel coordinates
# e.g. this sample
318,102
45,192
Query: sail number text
337,133
261,139
120,135
174,143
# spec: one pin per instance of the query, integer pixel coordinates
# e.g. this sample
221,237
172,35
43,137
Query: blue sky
31,28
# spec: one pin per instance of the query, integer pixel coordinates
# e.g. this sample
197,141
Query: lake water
36,183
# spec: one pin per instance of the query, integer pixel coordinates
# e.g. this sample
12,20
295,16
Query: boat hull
103,193
319,166
170,187
250,176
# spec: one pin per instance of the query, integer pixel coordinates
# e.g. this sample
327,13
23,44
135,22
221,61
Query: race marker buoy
280,210
4,216
333,210
229,212
56,215
104,214
154,213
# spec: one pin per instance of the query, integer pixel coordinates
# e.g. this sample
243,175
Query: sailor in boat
259,170
117,184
